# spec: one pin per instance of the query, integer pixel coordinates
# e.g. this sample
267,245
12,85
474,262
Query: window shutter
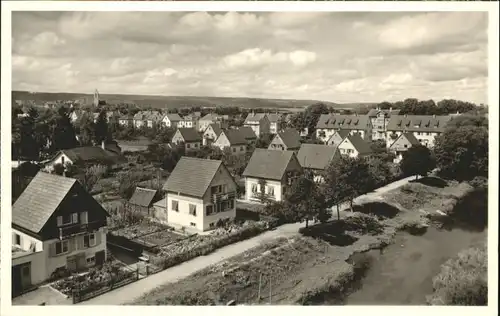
75,218
84,217
52,250
97,239
59,221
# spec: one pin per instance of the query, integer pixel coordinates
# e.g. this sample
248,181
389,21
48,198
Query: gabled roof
388,113
343,133
410,137
93,154
268,164
192,176
210,117
235,137
216,128
291,138
173,117
274,117
349,122
189,134
247,132
41,199
148,115
360,144
425,123
142,197
315,156
254,117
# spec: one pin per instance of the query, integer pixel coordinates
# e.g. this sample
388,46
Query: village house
258,122
211,133
328,124
288,139
337,137
187,136
248,134
189,121
315,159
201,193
275,120
147,119
354,146
404,142
76,115
172,120
126,120
379,119
110,116
270,173
232,139
425,128
56,225
142,200
109,153
209,119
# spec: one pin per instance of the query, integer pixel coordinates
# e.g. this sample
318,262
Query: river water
401,274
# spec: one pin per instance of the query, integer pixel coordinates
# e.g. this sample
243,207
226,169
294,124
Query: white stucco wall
345,146
278,187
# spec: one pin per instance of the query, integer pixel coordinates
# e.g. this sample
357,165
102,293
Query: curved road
129,293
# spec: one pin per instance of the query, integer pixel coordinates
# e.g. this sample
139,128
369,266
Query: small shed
142,200
160,211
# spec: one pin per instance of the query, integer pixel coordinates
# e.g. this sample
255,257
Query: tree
101,128
309,201
380,171
92,175
63,132
87,132
312,114
462,150
264,140
417,161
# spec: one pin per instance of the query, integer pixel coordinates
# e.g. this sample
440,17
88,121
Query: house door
26,275
21,278
81,261
71,263
100,257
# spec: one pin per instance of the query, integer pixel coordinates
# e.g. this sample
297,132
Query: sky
338,57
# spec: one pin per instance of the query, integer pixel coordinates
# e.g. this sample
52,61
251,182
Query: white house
404,142
258,122
211,133
189,137
380,120
56,225
328,124
201,193
354,146
232,139
172,120
270,173
275,120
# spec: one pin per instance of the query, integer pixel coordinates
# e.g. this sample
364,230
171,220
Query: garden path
129,293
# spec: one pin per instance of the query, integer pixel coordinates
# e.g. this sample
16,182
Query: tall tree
63,132
309,201
417,161
101,128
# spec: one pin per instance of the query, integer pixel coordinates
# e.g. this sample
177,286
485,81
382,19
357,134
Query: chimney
103,144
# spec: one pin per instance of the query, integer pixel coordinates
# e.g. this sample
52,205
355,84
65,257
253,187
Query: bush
462,281
364,224
210,246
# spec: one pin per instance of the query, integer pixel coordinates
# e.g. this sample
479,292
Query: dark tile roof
291,138
360,144
315,156
268,164
343,133
418,123
247,132
210,117
274,117
39,200
189,134
94,154
348,122
174,117
192,176
142,197
235,137
388,113
411,138
216,128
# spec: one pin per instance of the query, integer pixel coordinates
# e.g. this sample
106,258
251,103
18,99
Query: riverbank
310,270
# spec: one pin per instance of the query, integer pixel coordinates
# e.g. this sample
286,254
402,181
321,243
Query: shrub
463,280
364,224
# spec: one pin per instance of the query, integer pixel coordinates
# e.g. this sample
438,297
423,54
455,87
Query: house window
195,145
175,205
62,160
242,148
67,219
211,225
270,190
406,146
192,224
188,145
192,209
209,209
254,188
89,240
18,239
84,217
62,247
91,260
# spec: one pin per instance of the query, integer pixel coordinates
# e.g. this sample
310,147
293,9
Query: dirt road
134,290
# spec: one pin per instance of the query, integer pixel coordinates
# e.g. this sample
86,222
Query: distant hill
180,101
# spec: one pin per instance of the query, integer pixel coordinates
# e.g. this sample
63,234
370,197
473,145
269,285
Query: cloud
339,57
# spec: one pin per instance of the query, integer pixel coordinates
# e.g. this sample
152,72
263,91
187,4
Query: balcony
219,197
77,229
